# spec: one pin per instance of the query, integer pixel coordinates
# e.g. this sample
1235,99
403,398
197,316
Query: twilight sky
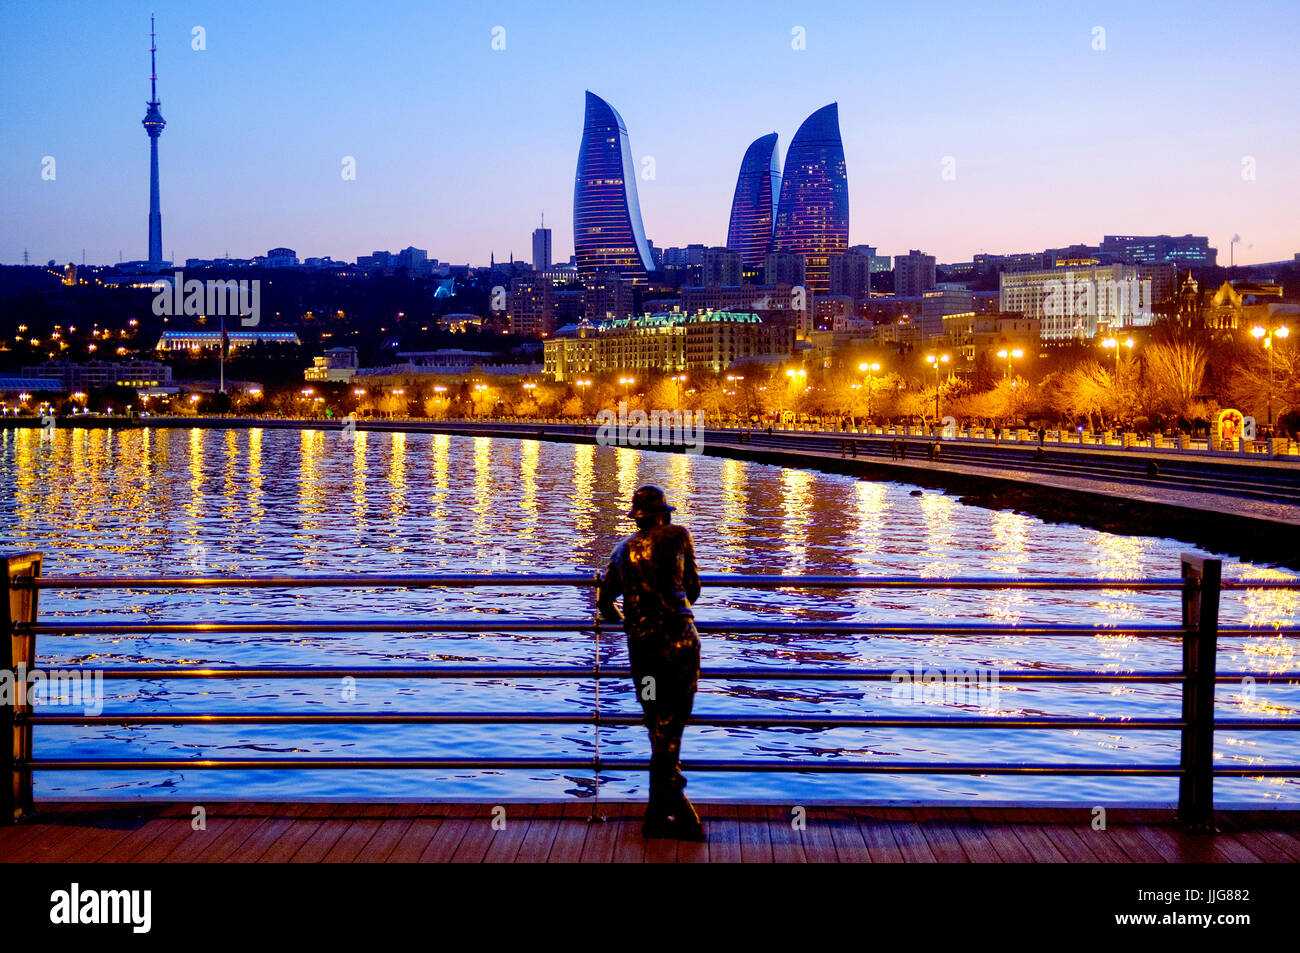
459,148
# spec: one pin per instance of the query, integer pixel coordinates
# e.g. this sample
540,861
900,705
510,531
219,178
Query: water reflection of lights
581,505
731,525
798,504
397,483
937,511
528,506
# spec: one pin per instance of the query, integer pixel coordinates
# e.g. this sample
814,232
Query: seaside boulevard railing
1200,586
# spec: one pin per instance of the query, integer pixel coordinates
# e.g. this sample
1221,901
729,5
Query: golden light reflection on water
678,486
441,448
1010,533
582,506
397,487
528,506
360,472
940,539
482,504
312,491
194,502
628,463
797,501
731,529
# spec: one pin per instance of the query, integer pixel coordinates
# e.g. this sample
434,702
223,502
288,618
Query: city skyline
235,182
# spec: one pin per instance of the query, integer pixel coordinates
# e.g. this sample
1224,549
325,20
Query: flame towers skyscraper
607,231
753,208
812,217
153,125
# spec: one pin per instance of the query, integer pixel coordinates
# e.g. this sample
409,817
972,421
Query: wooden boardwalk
534,833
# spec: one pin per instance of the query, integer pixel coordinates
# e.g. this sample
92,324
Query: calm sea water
255,501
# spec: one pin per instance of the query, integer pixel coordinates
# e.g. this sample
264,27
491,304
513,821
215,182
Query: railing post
1202,578
16,661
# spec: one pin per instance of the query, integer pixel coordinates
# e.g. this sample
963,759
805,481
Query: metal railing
1200,586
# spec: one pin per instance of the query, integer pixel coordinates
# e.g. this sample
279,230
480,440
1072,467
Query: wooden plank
1256,841
1031,834
970,836
246,823
392,829
177,821
40,824
629,846
1136,847
51,837
298,832
1277,830
326,834
787,844
425,821
908,835
723,828
1100,843
358,834
943,842
602,838
540,835
879,839
571,833
818,842
505,843
214,843
755,841
473,847
1071,844
850,846
101,833
1003,841
442,845
265,834
660,850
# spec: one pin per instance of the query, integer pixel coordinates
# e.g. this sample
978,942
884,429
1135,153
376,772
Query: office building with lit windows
607,231
812,217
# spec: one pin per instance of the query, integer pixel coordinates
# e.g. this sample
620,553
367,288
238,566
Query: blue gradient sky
460,148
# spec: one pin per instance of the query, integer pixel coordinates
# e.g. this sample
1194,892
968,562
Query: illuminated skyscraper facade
753,208
607,231
812,217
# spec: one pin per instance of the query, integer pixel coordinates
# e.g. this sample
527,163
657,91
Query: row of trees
1169,381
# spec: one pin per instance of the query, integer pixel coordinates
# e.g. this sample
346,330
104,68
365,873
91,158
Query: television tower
153,124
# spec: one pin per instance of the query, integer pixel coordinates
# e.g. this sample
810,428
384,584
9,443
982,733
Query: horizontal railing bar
581,626
508,671
738,580
566,718
588,764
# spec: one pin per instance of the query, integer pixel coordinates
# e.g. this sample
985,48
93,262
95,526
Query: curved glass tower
753,208
607,231
812,217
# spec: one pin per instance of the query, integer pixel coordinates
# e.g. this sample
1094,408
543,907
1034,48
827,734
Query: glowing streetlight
1265,336
938,360
1008,355
1116,343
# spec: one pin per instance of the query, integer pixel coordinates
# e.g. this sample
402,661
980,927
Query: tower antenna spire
153,64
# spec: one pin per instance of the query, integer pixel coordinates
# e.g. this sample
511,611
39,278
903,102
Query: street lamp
870,370
1116,343
938,360
1265,336
627,383
1008,355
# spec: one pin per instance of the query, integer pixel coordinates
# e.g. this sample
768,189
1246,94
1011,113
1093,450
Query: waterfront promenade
565,833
